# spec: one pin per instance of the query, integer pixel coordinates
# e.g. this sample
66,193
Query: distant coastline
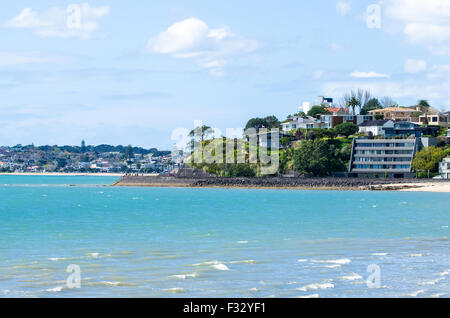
61,174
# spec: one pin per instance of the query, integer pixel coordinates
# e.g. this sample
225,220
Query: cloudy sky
120,73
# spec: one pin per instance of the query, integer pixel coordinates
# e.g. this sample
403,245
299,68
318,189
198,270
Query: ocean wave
438,295
57,259
445,273
302,260
416,293
432,282
242,242
112,284
342,261
254,289
351,277
184,276
379,254
175,290
221,267
249,261
416,255
55,290
325,285
309,296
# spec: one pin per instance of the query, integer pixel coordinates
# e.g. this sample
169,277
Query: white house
296,122
375,127
444,168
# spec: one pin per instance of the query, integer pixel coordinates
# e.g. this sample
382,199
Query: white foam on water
416,255
249,261
184,276
221,267
302,260
207,263
351,277
445,227
438,295
93,255
333,266
175,290
342,261
309,296
242,242
254,289
55,290
445,273
325,285
416,293
432,282
56,259
379,254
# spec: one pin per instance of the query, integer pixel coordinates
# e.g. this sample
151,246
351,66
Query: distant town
85,159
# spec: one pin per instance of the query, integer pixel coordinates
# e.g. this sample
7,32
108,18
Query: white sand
422,186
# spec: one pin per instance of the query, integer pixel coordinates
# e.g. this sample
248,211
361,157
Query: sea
78,237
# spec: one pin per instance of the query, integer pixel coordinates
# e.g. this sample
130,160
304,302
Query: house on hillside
405,129
331,121
375,127
395,113
297,122
438,119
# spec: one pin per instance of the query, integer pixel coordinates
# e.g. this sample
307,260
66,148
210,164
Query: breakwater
269,182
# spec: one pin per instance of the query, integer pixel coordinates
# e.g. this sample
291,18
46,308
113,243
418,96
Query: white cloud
439,72
415,66
11,59
336,47
193,39
58,22
358,74
343,8
424,23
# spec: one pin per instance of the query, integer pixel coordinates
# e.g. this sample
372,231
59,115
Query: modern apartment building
383,158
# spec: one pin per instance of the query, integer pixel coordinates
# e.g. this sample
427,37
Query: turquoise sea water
166,242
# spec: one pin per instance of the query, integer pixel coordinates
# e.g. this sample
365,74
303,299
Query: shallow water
168,242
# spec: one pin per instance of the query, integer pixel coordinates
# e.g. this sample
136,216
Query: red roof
337,110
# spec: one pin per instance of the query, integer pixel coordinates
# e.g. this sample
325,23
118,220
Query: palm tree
353,103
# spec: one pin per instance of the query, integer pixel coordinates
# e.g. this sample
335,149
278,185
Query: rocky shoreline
275,183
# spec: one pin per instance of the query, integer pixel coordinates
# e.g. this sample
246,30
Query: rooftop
374,123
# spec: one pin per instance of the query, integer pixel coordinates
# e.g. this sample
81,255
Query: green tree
428,159
346,129
318,110
268,122
317,158
372,104
129,152
353,103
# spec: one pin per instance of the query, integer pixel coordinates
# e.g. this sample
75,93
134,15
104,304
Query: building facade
444,168
435,120
331,121
297,122
383,158
375,127
395,113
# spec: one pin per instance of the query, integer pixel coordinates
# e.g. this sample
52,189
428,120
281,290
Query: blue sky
131,73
